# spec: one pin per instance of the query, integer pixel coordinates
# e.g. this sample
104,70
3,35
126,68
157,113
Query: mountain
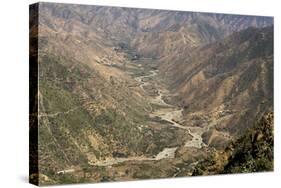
162,31
127,93
231,79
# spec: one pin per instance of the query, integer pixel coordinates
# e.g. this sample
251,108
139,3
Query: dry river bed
169,113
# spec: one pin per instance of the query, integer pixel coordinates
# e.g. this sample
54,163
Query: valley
131,94
169,114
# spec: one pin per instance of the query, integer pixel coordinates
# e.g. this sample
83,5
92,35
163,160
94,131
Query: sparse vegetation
151,94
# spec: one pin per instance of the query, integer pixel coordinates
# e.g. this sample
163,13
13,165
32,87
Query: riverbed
170,113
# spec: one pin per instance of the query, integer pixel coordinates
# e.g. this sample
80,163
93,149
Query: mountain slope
230,80
251,152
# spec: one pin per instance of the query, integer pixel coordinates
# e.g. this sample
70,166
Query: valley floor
163,114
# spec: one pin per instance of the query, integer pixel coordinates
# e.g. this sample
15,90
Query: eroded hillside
230,81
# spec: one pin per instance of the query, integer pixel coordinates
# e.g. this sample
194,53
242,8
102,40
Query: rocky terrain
251,152
126,94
